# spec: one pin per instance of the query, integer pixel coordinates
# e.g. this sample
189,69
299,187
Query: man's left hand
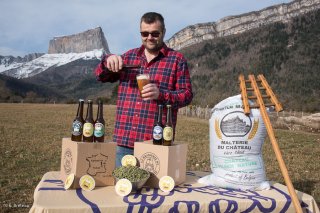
150,92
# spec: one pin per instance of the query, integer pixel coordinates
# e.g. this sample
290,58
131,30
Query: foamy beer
142,79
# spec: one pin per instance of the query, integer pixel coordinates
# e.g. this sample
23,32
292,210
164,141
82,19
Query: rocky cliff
79,43
237,24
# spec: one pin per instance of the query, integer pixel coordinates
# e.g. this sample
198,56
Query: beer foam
143,76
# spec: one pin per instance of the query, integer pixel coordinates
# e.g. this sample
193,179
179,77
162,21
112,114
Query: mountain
45,62
233,25
281,42
87,45
287,54
67,69
65,83
8,60
74,80
80,42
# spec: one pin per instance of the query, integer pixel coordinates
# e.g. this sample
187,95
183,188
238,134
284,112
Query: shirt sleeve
182,95
103,75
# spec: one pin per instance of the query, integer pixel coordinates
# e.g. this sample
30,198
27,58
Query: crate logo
67,161
97,164
150,162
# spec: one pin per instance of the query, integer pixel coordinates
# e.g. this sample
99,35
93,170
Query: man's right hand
114,63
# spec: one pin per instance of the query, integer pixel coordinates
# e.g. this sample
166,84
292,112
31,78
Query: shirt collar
164,50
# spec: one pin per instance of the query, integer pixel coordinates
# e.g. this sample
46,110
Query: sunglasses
155,34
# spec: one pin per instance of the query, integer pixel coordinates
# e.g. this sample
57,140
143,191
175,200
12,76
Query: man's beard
155,48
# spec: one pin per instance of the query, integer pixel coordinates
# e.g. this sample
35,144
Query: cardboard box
95,159
161,161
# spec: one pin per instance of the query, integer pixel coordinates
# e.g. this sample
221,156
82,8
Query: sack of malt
235,147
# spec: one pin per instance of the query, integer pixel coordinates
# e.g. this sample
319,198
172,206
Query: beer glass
142,79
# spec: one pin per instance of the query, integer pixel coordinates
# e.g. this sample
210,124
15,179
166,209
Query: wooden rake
260,94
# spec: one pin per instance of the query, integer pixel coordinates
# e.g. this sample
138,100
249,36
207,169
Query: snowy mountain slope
40,64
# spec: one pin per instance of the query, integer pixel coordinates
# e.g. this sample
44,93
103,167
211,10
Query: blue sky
26,26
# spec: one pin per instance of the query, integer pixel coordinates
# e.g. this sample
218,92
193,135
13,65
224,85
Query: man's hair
152,17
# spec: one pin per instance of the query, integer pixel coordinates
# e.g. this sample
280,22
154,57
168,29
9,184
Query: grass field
30,140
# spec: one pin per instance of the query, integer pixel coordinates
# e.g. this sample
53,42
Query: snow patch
38,65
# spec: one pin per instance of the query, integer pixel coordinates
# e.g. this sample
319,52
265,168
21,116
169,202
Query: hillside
232,25
287,54
75,80
15,90
65,83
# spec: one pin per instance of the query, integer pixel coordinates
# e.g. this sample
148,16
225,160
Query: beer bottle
99,124
77,123
88,124
157,131
168,129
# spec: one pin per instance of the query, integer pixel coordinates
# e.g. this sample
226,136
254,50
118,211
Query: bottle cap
166,183
123,187
128,160
87,183
69,181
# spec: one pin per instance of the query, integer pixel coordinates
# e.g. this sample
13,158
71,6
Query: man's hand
114,63
150,92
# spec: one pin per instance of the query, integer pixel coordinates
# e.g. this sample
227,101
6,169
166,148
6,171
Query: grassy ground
30,145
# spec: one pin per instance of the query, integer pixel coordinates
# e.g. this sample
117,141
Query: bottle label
168,133
157,132
76,128
87,129
98,129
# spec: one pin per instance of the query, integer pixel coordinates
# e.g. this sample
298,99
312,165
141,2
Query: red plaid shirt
135,117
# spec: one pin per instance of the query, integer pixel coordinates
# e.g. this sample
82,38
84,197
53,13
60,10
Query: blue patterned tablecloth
50,196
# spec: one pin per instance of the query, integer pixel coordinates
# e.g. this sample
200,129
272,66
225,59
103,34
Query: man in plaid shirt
170,84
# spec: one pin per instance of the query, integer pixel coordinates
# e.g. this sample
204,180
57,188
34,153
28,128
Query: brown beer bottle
157,132
168,129
88,124
99,124
77,124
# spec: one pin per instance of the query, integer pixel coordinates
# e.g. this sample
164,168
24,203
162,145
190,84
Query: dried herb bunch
132,173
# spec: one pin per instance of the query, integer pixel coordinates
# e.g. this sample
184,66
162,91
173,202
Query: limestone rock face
80,42
237,24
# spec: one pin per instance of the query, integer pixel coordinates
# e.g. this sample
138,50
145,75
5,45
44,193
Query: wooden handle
244,95
270,93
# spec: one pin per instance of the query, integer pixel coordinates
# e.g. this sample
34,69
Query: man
170,84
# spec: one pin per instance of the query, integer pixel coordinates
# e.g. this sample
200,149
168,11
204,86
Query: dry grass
30,141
